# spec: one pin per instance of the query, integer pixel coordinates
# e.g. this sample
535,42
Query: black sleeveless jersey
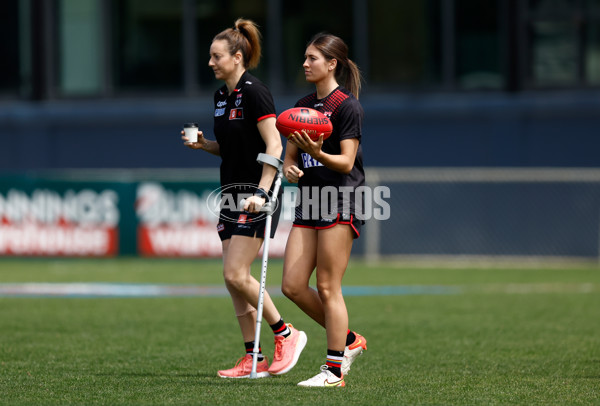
346,115
236,131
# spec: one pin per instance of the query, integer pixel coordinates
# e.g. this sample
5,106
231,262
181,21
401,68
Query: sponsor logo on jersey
242,219
318,105
309,162
327,114
220,112
237,114
222,103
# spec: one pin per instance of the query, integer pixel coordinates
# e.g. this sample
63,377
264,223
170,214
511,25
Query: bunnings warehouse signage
41,216
175,222
174,219
60,221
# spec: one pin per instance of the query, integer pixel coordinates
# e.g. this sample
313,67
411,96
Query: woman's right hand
293,174
200,144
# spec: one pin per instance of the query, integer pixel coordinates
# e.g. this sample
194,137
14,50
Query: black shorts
246,223
322,223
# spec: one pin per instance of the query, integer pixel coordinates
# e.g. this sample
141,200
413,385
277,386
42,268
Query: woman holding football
244,126
324,242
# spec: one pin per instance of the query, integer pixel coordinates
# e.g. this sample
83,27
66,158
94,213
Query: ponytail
353,77
244,37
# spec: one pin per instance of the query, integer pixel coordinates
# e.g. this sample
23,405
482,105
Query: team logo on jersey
327,114
220,227
309,162
238,100
237,114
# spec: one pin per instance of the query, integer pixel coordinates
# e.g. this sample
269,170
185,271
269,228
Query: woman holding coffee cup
244,126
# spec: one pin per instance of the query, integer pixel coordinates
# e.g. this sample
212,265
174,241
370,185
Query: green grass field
498,336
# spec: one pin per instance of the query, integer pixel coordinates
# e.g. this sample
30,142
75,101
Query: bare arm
290,163
207,145
272,139
343,163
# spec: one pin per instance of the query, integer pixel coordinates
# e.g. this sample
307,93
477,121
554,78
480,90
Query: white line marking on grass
132,290
89,290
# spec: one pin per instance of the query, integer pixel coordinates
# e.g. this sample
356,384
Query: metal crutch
268,208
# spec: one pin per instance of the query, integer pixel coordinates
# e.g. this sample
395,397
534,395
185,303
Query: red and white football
312,121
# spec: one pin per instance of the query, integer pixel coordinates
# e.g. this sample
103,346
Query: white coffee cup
191,131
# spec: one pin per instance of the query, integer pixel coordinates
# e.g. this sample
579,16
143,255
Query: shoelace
320,376
246,362
242,361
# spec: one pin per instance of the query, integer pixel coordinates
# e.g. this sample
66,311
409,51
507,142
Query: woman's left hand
303,141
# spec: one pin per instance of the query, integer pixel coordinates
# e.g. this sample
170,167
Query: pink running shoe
287,351
243,368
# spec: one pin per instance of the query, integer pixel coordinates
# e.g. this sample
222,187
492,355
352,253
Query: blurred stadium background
481,117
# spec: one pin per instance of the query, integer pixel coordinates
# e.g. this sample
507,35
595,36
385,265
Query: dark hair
244,37
346,71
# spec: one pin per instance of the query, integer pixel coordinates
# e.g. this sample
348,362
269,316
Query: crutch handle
265,208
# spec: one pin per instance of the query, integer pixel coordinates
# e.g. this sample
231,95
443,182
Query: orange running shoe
352,351
243,368
287,351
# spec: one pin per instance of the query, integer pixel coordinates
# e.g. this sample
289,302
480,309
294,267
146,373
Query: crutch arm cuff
263,158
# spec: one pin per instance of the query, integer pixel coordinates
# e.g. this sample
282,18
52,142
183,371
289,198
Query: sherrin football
312,121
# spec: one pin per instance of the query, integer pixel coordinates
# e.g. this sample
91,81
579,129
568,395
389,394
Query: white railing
521,214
